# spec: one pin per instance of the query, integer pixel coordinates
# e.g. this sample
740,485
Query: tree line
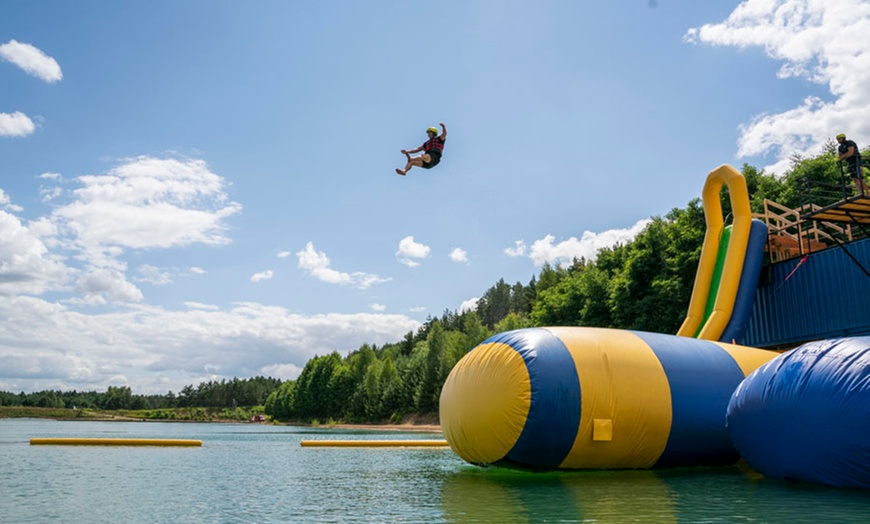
644,284
214,394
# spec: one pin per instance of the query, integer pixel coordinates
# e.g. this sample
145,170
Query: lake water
247,473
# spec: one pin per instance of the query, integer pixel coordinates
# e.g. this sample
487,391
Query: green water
260,474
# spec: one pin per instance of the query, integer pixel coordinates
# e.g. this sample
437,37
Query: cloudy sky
206,189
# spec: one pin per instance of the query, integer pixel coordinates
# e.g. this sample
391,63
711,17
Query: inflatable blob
593,398
805,415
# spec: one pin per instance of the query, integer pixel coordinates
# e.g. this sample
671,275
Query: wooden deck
853,210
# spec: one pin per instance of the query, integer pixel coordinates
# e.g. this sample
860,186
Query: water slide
730,263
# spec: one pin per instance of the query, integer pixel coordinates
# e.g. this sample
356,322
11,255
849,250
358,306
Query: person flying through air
432,150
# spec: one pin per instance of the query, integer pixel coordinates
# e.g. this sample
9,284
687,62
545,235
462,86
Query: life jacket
435,145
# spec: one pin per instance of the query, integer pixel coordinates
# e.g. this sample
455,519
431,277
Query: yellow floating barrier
374,443
114,442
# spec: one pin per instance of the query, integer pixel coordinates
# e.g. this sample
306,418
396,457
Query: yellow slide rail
733,267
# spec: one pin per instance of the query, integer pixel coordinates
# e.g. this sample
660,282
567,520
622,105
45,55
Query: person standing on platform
848,152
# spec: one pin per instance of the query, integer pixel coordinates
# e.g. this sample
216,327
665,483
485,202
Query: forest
643,285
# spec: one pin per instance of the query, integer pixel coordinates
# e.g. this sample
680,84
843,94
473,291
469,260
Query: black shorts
434,158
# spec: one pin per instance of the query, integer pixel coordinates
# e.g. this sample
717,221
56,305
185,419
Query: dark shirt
436,145
844,147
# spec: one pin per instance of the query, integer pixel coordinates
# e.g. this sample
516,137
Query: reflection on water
260,474
703,495
498,495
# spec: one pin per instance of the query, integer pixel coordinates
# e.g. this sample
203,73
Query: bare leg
860,186
413,161
407,165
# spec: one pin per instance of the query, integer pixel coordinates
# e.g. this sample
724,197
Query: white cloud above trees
818,41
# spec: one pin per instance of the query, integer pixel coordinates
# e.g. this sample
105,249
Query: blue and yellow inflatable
594,398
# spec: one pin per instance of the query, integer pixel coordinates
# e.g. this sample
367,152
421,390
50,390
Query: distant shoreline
422,428
411,423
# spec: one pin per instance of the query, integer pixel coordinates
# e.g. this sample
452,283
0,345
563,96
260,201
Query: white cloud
817,40
46,345
31,60
564,253
417,309
410,251
469,305
145,202
282,371
283,254
197,270
153,275
316,263
142,203
458,255
16,124
263,275
377,307
49,194
519,249
100,286
26,265
200,305
6,203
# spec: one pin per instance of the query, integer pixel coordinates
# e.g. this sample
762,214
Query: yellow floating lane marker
374,443
114,442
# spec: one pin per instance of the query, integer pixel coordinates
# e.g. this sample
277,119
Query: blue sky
206,189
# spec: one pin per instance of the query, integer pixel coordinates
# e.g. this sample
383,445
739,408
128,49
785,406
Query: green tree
495,303
429,388
117,397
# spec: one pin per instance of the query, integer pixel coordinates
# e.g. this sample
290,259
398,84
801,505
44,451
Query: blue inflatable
805,416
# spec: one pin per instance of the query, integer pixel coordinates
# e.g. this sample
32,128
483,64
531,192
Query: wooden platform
853,210
790,248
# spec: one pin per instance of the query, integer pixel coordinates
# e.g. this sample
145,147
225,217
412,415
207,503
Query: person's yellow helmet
841,135
433,130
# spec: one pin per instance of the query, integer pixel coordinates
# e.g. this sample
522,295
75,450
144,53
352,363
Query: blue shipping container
825,296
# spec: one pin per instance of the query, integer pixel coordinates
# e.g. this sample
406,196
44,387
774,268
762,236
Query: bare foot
408,155
400,172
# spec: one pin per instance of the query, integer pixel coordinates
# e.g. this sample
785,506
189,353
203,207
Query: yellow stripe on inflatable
749,359
733,267
621,380
482,431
